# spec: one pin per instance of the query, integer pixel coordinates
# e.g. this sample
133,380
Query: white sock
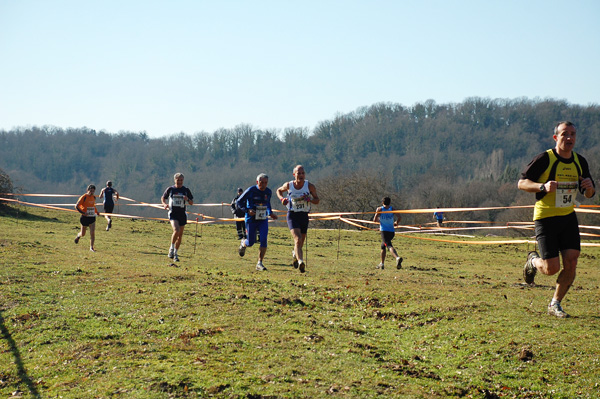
554,302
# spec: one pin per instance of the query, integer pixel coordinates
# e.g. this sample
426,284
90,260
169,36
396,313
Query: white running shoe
557,310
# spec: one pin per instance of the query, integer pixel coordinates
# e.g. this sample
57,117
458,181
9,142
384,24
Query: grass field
455,321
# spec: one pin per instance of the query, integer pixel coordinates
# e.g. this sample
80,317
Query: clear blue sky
187,66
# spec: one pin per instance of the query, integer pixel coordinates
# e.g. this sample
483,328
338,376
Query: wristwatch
542,188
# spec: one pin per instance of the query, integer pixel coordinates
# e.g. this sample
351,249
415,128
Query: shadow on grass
22,214
18,361
153,253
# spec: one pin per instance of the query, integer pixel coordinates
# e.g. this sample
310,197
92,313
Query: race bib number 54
565,194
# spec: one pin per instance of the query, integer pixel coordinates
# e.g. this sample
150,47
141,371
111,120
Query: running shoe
77,240
175,258
380,266
92,250
529,270
399,263
260,267
301,266
557,310
242,249
294,260
171,253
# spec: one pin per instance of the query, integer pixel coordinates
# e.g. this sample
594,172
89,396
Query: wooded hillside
465,154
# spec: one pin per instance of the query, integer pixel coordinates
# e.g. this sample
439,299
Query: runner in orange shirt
86,205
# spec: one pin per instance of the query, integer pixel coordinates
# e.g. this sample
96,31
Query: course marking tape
360,223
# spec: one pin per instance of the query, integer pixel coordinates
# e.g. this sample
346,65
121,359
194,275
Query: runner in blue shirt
255,202
387,224
439,218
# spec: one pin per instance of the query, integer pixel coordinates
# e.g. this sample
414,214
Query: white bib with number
90,212
177,201
565,194
299,204
261,212
299,197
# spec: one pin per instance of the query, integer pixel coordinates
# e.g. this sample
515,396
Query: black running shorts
557,233
181,217
87,220
386,239
298,220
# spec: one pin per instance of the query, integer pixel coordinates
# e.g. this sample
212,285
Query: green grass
456,321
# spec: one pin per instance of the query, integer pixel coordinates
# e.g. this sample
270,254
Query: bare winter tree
359,192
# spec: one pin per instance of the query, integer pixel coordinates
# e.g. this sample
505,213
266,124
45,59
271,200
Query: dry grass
125,322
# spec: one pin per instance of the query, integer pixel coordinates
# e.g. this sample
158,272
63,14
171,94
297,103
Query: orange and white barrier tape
409,232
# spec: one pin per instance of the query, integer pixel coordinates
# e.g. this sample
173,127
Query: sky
165,67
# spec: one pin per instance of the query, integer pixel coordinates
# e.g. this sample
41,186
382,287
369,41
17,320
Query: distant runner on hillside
256,204
555,177
387,224
174,199
108,203
301,194
439,218
86,205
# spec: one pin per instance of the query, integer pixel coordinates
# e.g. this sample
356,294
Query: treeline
427,155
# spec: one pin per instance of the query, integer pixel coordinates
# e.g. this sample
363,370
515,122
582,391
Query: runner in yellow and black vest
555,176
